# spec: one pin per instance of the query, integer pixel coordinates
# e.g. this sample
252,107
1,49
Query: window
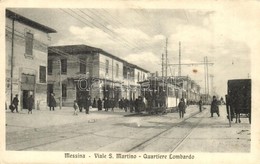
117,70
64,90
64,66
42,74
107,66
138,77
29,44
82,65
50,62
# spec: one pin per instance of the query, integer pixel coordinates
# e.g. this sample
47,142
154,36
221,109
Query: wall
23,64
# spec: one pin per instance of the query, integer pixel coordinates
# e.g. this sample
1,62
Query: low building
26,59
76,71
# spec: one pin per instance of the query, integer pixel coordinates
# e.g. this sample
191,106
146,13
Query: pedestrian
52,102
136,106
80,103
125,104
94,104
181,108
200,105
30,104
99,103
106,104
88,104
112,104
214,106
131,105
76,107
15,103
120,104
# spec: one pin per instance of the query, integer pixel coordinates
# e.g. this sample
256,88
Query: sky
139,36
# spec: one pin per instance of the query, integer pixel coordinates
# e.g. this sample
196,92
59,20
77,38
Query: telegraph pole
166,57
207,76
179,58
206,64
162,65
205,79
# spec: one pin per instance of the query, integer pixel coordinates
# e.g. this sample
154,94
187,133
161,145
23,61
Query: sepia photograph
130,81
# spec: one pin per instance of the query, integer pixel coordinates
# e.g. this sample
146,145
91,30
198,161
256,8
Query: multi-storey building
26,59
81,70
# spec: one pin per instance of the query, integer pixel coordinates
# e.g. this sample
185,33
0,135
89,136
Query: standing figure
15,103
131,105
52,102
30,104
200,105
88,104
214,106
80,103
181,108
75,106
112,104
99,102
125,104
106,104
120,104
136,106
94,104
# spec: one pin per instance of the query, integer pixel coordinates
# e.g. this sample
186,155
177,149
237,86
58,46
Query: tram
160,95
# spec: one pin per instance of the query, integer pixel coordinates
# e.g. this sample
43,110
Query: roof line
12,15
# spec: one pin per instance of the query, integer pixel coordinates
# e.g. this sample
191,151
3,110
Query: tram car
238,99
160,96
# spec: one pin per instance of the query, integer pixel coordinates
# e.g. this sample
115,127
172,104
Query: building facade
76,71
26,59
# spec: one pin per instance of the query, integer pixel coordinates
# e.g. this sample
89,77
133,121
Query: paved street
119,131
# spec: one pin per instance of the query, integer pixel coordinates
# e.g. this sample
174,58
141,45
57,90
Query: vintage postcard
127,81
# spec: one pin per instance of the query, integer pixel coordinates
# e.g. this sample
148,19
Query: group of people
136,105
124,104
133,105
15,102
214,107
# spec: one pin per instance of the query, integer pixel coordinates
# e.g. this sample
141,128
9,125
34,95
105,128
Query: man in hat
15,102
181,107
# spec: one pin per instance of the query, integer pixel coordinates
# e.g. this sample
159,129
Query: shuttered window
29,44
64,66
42,74
82,65
50,62
64,90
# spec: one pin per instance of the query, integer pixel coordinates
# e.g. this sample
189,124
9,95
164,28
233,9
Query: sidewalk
43,118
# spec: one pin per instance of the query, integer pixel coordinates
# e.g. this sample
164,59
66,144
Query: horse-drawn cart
238,99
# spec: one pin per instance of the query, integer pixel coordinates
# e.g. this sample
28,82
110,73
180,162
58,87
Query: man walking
200,105
88,104
30,104
15,102
181,108
52,102
214,106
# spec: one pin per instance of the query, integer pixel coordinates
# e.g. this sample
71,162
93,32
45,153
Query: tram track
155,137
59,134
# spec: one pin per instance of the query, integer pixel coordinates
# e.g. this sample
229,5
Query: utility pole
212,85
166,54
207,75
162,65
179,58
166,57
205,79
12,56
206,64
